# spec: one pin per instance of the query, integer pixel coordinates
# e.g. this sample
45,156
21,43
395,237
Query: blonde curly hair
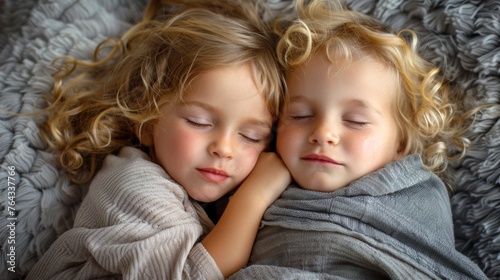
430,124
97,106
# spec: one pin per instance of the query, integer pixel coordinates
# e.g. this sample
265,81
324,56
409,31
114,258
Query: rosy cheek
187,140
371,144
178,140
282,145
364,146
379,150
249,160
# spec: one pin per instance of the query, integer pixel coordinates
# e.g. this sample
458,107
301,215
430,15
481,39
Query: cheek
378,149
188,143
288,142
176,145
281,141
372,144
247,161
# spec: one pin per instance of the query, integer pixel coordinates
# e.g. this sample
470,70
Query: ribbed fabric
394,223
134,222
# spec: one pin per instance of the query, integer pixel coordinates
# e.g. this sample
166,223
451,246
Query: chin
206,197
320,187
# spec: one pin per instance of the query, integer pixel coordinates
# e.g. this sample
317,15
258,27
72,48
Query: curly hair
430,123
97,105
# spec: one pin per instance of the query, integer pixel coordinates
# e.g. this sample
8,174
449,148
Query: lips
321,159
213,175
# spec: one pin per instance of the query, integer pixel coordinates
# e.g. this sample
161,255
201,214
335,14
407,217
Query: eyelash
201,125
251,140
356,123
195,124
298,118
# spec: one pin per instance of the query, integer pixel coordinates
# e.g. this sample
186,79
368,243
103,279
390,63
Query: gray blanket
394,223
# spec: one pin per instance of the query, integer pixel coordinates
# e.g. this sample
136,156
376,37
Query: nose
324,133
221,146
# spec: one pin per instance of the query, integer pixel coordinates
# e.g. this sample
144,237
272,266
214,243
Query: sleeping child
367,126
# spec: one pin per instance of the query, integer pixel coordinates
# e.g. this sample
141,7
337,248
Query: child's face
338,126
211,142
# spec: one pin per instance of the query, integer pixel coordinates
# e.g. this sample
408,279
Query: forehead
230,92
365,79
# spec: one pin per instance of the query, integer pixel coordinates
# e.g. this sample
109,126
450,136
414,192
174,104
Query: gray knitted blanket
462,37
394,223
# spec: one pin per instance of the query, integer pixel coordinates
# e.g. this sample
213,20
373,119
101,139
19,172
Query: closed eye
356,123
198,124
300,117
256,136
251,140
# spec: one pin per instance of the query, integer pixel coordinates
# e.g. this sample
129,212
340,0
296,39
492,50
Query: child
367,125
198,87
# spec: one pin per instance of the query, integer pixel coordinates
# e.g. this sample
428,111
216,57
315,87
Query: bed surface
462,37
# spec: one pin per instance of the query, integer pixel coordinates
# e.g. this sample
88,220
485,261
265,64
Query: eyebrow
363,104
257,122
212,109
352,102
202,105
297,98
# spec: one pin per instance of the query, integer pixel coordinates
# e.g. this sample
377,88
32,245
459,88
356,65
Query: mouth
213,175
321,159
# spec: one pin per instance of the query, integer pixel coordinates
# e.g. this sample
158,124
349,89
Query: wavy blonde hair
97,105
430,123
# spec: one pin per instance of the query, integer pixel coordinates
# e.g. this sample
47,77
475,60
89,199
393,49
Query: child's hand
269,178
231,240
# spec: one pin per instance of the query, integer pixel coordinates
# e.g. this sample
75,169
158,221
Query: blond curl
97,105
430,124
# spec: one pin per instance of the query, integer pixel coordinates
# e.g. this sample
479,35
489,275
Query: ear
145,132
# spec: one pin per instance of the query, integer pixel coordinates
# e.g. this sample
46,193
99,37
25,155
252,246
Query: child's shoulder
129,187
131,172
130,161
